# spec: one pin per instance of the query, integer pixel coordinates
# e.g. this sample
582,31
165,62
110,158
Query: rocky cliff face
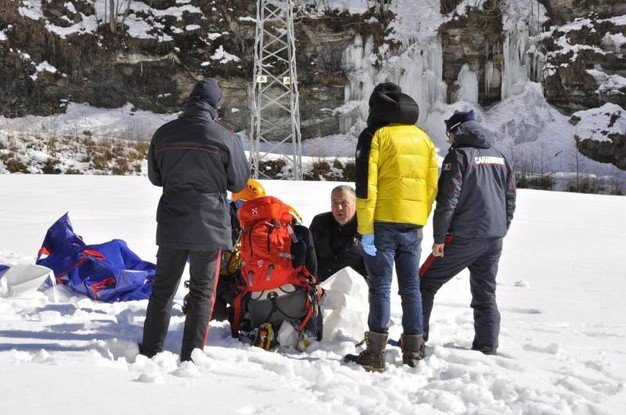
580,59
586,67
46,68
43,70
564,11
56,51
474,39
600,133
581,48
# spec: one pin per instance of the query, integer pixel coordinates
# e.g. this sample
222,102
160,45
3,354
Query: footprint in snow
521,310
552,348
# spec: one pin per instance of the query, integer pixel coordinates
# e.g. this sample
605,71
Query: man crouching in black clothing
337,243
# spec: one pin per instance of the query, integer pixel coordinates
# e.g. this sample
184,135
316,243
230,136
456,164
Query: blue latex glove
367,241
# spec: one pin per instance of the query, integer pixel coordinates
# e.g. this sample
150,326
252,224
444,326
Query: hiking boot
149,353
412,349
265,337
489,351
373,357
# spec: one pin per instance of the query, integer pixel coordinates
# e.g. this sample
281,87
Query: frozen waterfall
358,60
523,62
418,71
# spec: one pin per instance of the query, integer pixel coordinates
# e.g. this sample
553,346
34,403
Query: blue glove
368,244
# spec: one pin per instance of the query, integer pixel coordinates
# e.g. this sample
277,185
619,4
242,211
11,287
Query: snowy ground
563,336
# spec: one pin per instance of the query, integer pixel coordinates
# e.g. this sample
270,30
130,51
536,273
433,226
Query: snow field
560,295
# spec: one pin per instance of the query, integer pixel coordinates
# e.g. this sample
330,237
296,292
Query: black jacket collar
199,107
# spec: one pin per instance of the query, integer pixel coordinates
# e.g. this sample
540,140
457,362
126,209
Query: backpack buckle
270,269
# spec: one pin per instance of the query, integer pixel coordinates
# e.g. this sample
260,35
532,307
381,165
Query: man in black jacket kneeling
337,242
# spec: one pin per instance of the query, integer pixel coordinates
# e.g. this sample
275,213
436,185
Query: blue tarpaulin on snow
107,272
3,269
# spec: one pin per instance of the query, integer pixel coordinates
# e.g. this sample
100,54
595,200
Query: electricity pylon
275,120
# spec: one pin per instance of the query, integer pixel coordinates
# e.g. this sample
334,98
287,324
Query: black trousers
481,257
204,271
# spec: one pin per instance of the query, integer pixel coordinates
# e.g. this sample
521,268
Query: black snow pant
226,293
481,257
204,271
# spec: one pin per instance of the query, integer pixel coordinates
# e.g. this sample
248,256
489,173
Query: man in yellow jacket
396,184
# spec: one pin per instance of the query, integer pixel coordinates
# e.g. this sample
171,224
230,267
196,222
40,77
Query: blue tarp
3,269
107,272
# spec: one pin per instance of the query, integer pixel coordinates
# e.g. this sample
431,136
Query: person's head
207,90
383,88
343,204
453,123
387,104
252,190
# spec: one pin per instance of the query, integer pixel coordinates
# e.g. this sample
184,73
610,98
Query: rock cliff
53,52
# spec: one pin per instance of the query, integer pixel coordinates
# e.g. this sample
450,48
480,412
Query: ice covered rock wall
358,62
470,54
523,62
483,62
418,71
491,58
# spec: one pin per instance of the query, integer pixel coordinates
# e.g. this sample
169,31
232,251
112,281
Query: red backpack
265,247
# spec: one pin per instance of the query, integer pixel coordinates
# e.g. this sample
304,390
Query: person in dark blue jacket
196,160
475,206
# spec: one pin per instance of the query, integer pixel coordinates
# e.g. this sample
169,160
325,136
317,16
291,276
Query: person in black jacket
196,160
475,206
337,243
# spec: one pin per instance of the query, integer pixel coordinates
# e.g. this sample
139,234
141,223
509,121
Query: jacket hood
198,107
392,107
472,134
207,90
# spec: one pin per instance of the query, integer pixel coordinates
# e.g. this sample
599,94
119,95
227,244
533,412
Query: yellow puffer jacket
401,179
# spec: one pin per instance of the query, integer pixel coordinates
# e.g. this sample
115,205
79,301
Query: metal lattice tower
275,106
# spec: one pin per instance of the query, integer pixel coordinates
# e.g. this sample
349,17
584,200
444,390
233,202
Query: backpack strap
309,312
309,283
306,280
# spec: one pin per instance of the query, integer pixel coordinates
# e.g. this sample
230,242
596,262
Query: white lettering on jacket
489,160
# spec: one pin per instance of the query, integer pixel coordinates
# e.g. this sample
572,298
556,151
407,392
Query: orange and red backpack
265,247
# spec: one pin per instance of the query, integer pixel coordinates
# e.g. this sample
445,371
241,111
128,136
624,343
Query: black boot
412,349
486,350
148,353
373,357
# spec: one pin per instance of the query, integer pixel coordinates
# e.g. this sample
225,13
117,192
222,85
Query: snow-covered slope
560,292
82,119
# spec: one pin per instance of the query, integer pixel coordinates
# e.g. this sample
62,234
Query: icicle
357,60
419,73
522,61
515,71
488,75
